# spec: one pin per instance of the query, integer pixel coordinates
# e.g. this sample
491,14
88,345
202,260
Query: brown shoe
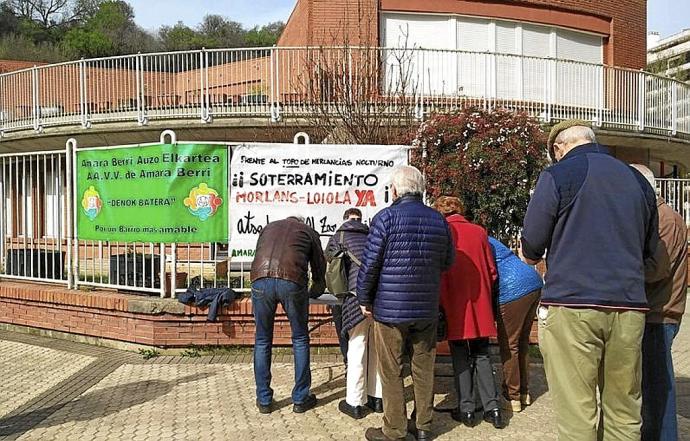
376,434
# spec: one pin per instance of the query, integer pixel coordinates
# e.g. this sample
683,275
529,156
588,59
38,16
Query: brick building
606,32
557,28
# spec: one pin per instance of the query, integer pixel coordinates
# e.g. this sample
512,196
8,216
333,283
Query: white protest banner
273,181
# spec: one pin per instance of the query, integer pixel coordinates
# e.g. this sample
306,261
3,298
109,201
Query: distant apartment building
669,56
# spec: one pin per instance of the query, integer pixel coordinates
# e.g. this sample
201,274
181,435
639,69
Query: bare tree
52,13
357,93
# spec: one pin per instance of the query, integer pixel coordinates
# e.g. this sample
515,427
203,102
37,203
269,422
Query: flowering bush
489,159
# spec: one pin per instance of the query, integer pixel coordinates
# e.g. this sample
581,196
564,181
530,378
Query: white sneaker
516,406
525,399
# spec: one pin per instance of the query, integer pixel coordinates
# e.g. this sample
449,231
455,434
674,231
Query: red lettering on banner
267,197
331,198
365,198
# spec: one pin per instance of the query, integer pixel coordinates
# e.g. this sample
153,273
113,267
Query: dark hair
352,212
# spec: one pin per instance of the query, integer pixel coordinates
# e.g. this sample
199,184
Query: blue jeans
266,294
659,421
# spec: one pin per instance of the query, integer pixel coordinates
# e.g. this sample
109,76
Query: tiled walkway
56,390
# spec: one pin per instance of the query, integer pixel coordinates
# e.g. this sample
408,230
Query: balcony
281,82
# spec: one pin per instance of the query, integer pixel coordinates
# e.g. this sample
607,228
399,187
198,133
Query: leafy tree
111,30
489,159
220,32
82,42
9,22
266,35
54,30
181,37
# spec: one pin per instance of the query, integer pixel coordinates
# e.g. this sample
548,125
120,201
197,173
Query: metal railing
676,192
280,82
38,231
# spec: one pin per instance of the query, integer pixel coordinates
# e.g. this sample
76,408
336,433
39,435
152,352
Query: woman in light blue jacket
519,290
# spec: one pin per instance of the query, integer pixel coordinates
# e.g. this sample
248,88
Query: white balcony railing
283,82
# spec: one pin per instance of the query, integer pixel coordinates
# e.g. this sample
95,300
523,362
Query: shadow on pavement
96,404
683,396
334,384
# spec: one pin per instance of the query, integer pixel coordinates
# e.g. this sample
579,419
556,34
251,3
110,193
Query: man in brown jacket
666,285
285,251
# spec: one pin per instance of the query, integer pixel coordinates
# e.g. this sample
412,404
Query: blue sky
152,14
665,16
668,16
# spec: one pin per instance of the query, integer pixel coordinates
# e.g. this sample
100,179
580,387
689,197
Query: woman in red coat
467,301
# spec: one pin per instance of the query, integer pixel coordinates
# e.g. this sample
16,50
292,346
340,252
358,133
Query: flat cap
564,125
558,128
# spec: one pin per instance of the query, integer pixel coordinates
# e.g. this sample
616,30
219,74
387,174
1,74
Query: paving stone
28,371
74,392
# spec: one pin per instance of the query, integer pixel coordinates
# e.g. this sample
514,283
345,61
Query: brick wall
12,65
297,29
332,22
324,22
628,42
163,323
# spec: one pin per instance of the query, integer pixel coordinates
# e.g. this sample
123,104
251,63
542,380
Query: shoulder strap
352,257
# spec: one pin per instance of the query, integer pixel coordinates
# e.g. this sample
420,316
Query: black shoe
466,418
356,412
375,404
495,418
376,434
419,435
265,408
307,404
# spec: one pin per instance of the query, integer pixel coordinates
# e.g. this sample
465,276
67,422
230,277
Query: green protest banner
160,193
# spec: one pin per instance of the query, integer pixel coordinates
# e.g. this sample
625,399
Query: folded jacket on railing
214,298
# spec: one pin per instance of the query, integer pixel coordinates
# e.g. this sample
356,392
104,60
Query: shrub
490,159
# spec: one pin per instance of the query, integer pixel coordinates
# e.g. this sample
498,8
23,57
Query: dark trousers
343,340
514,327
267,293
392,341
659,420
471,365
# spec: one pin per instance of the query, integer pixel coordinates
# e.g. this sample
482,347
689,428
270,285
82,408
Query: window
578,46
499,76
430,72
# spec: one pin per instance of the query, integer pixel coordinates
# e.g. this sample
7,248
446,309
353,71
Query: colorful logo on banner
203,201
161,193
91,202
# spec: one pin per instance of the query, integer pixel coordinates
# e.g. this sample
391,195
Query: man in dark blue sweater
596,219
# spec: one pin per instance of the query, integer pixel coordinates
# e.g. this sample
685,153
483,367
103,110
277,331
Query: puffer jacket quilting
408,247
516,279
355,239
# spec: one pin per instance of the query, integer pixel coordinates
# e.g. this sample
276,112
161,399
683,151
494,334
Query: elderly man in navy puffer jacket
408,247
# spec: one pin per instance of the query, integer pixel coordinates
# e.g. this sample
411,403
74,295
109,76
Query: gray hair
299,217
576,136
647,173
407,180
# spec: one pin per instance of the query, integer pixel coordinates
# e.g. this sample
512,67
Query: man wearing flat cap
595,219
